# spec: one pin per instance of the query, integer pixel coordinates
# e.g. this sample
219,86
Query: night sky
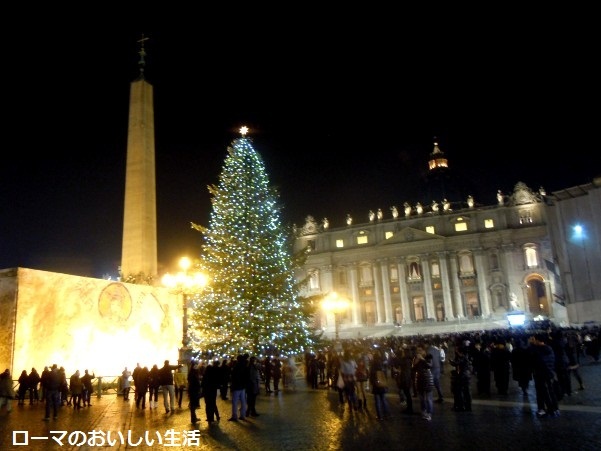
344,120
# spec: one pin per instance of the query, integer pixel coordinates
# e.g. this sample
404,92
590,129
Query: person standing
361,378
154,382
460,379
253,388
406,382
267,374
573,362
43,378
168,384
437,361
348,368
500,363
224,384
135,374
23,387
239,382
424,381
141,384
381,403
194,391
64,387
482,367
52,391
521,366
7,392
313,372
76,388
125,383
543,372
321,368
181,380
86,380
33,382
211,380
276,373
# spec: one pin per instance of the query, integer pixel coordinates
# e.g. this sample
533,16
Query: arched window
494,261
414,269
365,275
466,264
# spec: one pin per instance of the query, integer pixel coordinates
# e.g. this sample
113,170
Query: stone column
483,293
326,286
456,287
355,298
405,307
387,303
427,284
446,285
508,253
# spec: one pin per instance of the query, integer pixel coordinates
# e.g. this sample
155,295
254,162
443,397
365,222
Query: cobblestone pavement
305,419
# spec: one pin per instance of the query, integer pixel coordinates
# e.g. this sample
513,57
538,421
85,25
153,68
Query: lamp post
185,283
335,304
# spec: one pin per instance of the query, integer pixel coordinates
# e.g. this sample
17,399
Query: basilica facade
435,265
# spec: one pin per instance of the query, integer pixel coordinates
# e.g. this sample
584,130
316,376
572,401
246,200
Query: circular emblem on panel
114,302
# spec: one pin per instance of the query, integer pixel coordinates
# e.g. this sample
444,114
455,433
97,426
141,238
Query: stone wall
85,323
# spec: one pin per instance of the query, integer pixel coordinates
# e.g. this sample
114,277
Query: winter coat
424,380
6,386
75,385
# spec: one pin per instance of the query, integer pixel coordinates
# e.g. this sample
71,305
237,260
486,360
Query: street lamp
185,283
335,304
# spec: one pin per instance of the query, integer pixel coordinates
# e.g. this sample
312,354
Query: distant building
574,222
468,265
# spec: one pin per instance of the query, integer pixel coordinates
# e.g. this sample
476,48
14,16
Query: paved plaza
305,419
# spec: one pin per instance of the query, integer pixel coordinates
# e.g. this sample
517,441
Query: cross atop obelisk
142,53
139,252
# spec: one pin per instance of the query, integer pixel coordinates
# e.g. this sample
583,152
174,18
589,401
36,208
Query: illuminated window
394,273
461,223
531,256
489,224
314,280
339,243
435,270
362,239
365,275
460,227
430,229
388,235
525,217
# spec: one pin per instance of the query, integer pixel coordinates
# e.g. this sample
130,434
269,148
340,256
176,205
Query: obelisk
139,250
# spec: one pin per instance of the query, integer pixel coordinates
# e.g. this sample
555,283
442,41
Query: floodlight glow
516,319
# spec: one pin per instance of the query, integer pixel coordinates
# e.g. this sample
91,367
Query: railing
101,385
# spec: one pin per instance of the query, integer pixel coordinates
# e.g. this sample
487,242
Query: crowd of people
410,366
51,387
548,357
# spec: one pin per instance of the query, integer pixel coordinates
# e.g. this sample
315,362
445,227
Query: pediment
410,235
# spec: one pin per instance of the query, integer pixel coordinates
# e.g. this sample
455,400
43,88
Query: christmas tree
252,304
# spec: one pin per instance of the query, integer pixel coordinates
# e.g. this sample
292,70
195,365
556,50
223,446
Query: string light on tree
254,304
